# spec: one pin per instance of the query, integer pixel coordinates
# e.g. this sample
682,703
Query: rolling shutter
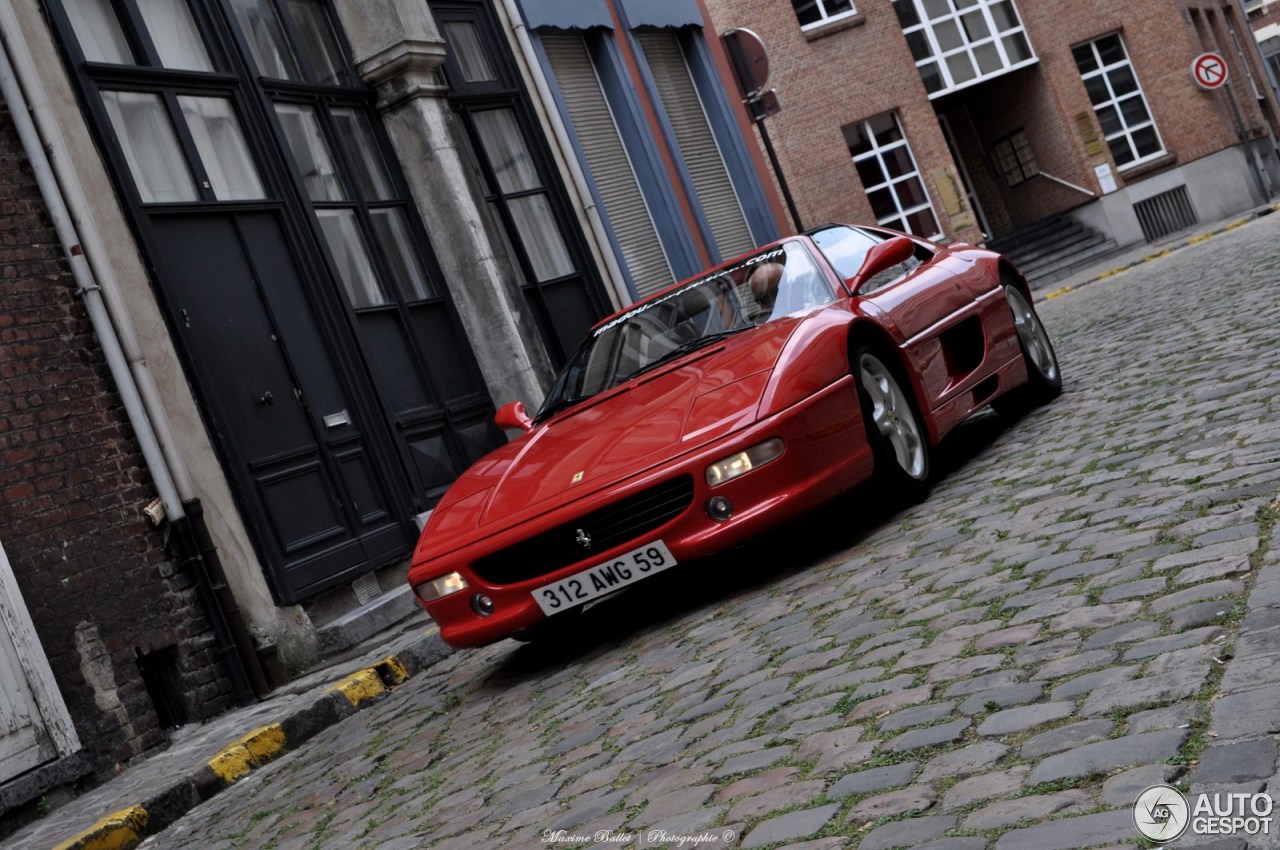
697,143
607,161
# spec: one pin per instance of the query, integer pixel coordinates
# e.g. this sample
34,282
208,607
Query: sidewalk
154,793
1146,252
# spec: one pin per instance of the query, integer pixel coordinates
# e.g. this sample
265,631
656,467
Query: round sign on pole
1209,70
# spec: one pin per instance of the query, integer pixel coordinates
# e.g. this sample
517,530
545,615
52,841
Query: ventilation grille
608,527
1165,213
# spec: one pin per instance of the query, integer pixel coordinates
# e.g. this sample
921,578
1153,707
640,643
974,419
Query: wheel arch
1007,271
866,332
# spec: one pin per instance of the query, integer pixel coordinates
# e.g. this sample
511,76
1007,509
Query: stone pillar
398,50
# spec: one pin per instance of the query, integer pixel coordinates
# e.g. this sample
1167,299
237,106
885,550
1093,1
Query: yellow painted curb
231,763
1057,293
361,687
265,743
392,671
256,748
118,831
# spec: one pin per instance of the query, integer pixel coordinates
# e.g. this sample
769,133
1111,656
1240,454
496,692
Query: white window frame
827,17
996,38
891,182
1126,130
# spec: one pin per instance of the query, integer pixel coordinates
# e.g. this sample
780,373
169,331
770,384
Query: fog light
437,588
743,462
482,605
719,508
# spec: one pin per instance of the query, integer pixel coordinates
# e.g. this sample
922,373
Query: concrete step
359,623
1052,247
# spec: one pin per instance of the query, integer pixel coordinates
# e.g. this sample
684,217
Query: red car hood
619,433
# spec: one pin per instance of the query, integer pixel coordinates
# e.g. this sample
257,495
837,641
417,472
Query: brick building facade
1264,20
103,595
992,115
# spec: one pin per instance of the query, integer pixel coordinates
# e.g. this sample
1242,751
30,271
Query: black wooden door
277,404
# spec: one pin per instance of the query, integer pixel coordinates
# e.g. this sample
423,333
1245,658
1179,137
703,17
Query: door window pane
351,256
317,42
363,154
464,40
265,36
310,152
98,31
232,173
174,33
507,152
392,230
150,147
540,235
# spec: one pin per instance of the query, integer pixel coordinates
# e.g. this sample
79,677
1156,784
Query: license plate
604,578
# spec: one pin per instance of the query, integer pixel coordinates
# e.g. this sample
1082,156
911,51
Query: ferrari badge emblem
583,539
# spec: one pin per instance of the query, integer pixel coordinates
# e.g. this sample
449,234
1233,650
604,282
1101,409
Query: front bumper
825,454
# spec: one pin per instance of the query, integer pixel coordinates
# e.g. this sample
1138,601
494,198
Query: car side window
847,247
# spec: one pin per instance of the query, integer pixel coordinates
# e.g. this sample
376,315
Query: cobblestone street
1087,604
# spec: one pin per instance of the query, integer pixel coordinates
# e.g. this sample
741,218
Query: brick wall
862,68
92,570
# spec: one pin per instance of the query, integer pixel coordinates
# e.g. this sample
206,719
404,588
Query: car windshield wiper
682,350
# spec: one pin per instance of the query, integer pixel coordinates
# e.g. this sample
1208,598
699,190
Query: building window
299,45
1015,158
814,13
1271,52
890,177
1118,100
514,170
957,43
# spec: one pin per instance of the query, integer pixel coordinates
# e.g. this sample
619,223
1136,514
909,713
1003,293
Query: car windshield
778,281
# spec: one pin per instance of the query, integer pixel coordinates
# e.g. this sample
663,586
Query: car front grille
607,527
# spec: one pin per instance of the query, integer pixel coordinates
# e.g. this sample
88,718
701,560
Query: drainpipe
91,292
94,248
599,233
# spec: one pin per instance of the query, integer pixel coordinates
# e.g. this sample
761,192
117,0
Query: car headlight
743,462
438,588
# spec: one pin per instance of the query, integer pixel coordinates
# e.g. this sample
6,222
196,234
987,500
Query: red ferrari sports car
723,406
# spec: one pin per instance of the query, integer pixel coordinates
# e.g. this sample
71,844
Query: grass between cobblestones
1123,480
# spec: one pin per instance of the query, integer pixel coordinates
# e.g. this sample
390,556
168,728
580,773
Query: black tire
895,429
1044,375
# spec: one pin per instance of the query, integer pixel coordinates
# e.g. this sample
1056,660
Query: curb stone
1164,252
127,827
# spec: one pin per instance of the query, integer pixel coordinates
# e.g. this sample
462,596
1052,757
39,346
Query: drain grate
1165,213
366,588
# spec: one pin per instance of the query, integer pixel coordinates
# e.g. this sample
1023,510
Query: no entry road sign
1209,70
